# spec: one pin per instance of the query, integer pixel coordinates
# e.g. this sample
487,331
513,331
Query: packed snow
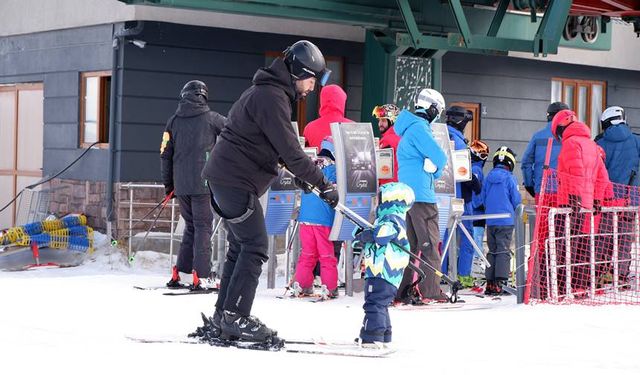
76,321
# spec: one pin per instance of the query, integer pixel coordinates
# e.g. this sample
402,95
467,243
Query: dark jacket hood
617,133
192,105
277,75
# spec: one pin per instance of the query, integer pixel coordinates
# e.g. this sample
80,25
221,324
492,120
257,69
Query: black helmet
554,108
458,117
504,155
304,60
195,87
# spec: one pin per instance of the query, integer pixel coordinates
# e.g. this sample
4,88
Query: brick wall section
88,197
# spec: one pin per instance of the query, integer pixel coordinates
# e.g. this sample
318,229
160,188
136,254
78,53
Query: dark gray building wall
516,93
56,58
225,60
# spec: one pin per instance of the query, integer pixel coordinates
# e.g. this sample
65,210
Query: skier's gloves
530,190
597,207
168,188
329,193
364,235
575,203
302,185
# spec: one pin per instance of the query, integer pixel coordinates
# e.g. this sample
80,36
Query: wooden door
21,143
472,130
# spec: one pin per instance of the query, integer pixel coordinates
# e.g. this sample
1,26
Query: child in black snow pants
500,195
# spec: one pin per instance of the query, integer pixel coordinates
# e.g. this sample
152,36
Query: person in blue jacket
420,162
622,156
479,154
534,155
500,195
457,119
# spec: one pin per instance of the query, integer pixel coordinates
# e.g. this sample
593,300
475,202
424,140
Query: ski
182,286
187,292
319,347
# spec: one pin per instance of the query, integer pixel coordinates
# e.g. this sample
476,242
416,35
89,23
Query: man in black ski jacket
186,145
244,163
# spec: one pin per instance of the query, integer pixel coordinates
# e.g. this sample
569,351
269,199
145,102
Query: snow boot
247,328
175,278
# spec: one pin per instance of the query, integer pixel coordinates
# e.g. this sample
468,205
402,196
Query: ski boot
235,326
202,284
175,279
298,291
326,294
490,288
210,330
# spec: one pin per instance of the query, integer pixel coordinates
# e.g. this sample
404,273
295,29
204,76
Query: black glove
302,185
168,188
530,190
597,207
575,203
329,193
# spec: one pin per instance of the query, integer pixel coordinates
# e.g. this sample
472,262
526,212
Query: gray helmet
554,108
195,87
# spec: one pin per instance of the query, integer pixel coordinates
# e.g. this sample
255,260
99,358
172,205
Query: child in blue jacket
500,195
316,220
386,255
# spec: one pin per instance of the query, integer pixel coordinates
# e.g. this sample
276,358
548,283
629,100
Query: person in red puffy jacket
333,101
582,180
386,115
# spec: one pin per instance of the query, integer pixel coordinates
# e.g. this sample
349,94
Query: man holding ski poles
258,136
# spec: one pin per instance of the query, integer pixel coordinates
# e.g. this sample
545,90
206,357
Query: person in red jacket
582,179
386,115
333,101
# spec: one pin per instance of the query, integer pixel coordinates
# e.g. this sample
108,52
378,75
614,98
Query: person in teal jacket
420,162
386,255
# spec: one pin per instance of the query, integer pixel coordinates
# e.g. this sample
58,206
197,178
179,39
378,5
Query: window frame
102,123
576,84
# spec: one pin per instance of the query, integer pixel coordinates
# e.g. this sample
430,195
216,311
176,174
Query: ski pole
360,222
162,205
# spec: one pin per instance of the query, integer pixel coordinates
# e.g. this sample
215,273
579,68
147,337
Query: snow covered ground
75,320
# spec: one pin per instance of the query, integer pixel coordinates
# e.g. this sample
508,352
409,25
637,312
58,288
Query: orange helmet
388,111
560,122
479,149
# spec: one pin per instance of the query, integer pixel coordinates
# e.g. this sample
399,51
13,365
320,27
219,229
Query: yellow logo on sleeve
166,137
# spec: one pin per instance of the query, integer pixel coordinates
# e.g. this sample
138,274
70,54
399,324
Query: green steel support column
377,87
436,70
461,21
501,10
410,22
549,32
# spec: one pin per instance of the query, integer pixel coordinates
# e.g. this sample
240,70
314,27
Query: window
95,94
586,99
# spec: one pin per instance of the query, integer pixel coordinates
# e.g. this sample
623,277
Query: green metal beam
461,21
498,17
549,32
271,9
409,21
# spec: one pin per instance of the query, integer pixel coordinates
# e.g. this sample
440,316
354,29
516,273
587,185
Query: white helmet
612,116
432,102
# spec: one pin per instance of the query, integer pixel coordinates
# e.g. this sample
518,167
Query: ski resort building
107,73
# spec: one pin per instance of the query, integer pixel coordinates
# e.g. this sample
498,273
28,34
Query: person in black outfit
258,136
186,144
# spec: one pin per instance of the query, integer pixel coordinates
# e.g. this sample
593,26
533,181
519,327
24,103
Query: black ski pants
499,255
195,249
248,247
